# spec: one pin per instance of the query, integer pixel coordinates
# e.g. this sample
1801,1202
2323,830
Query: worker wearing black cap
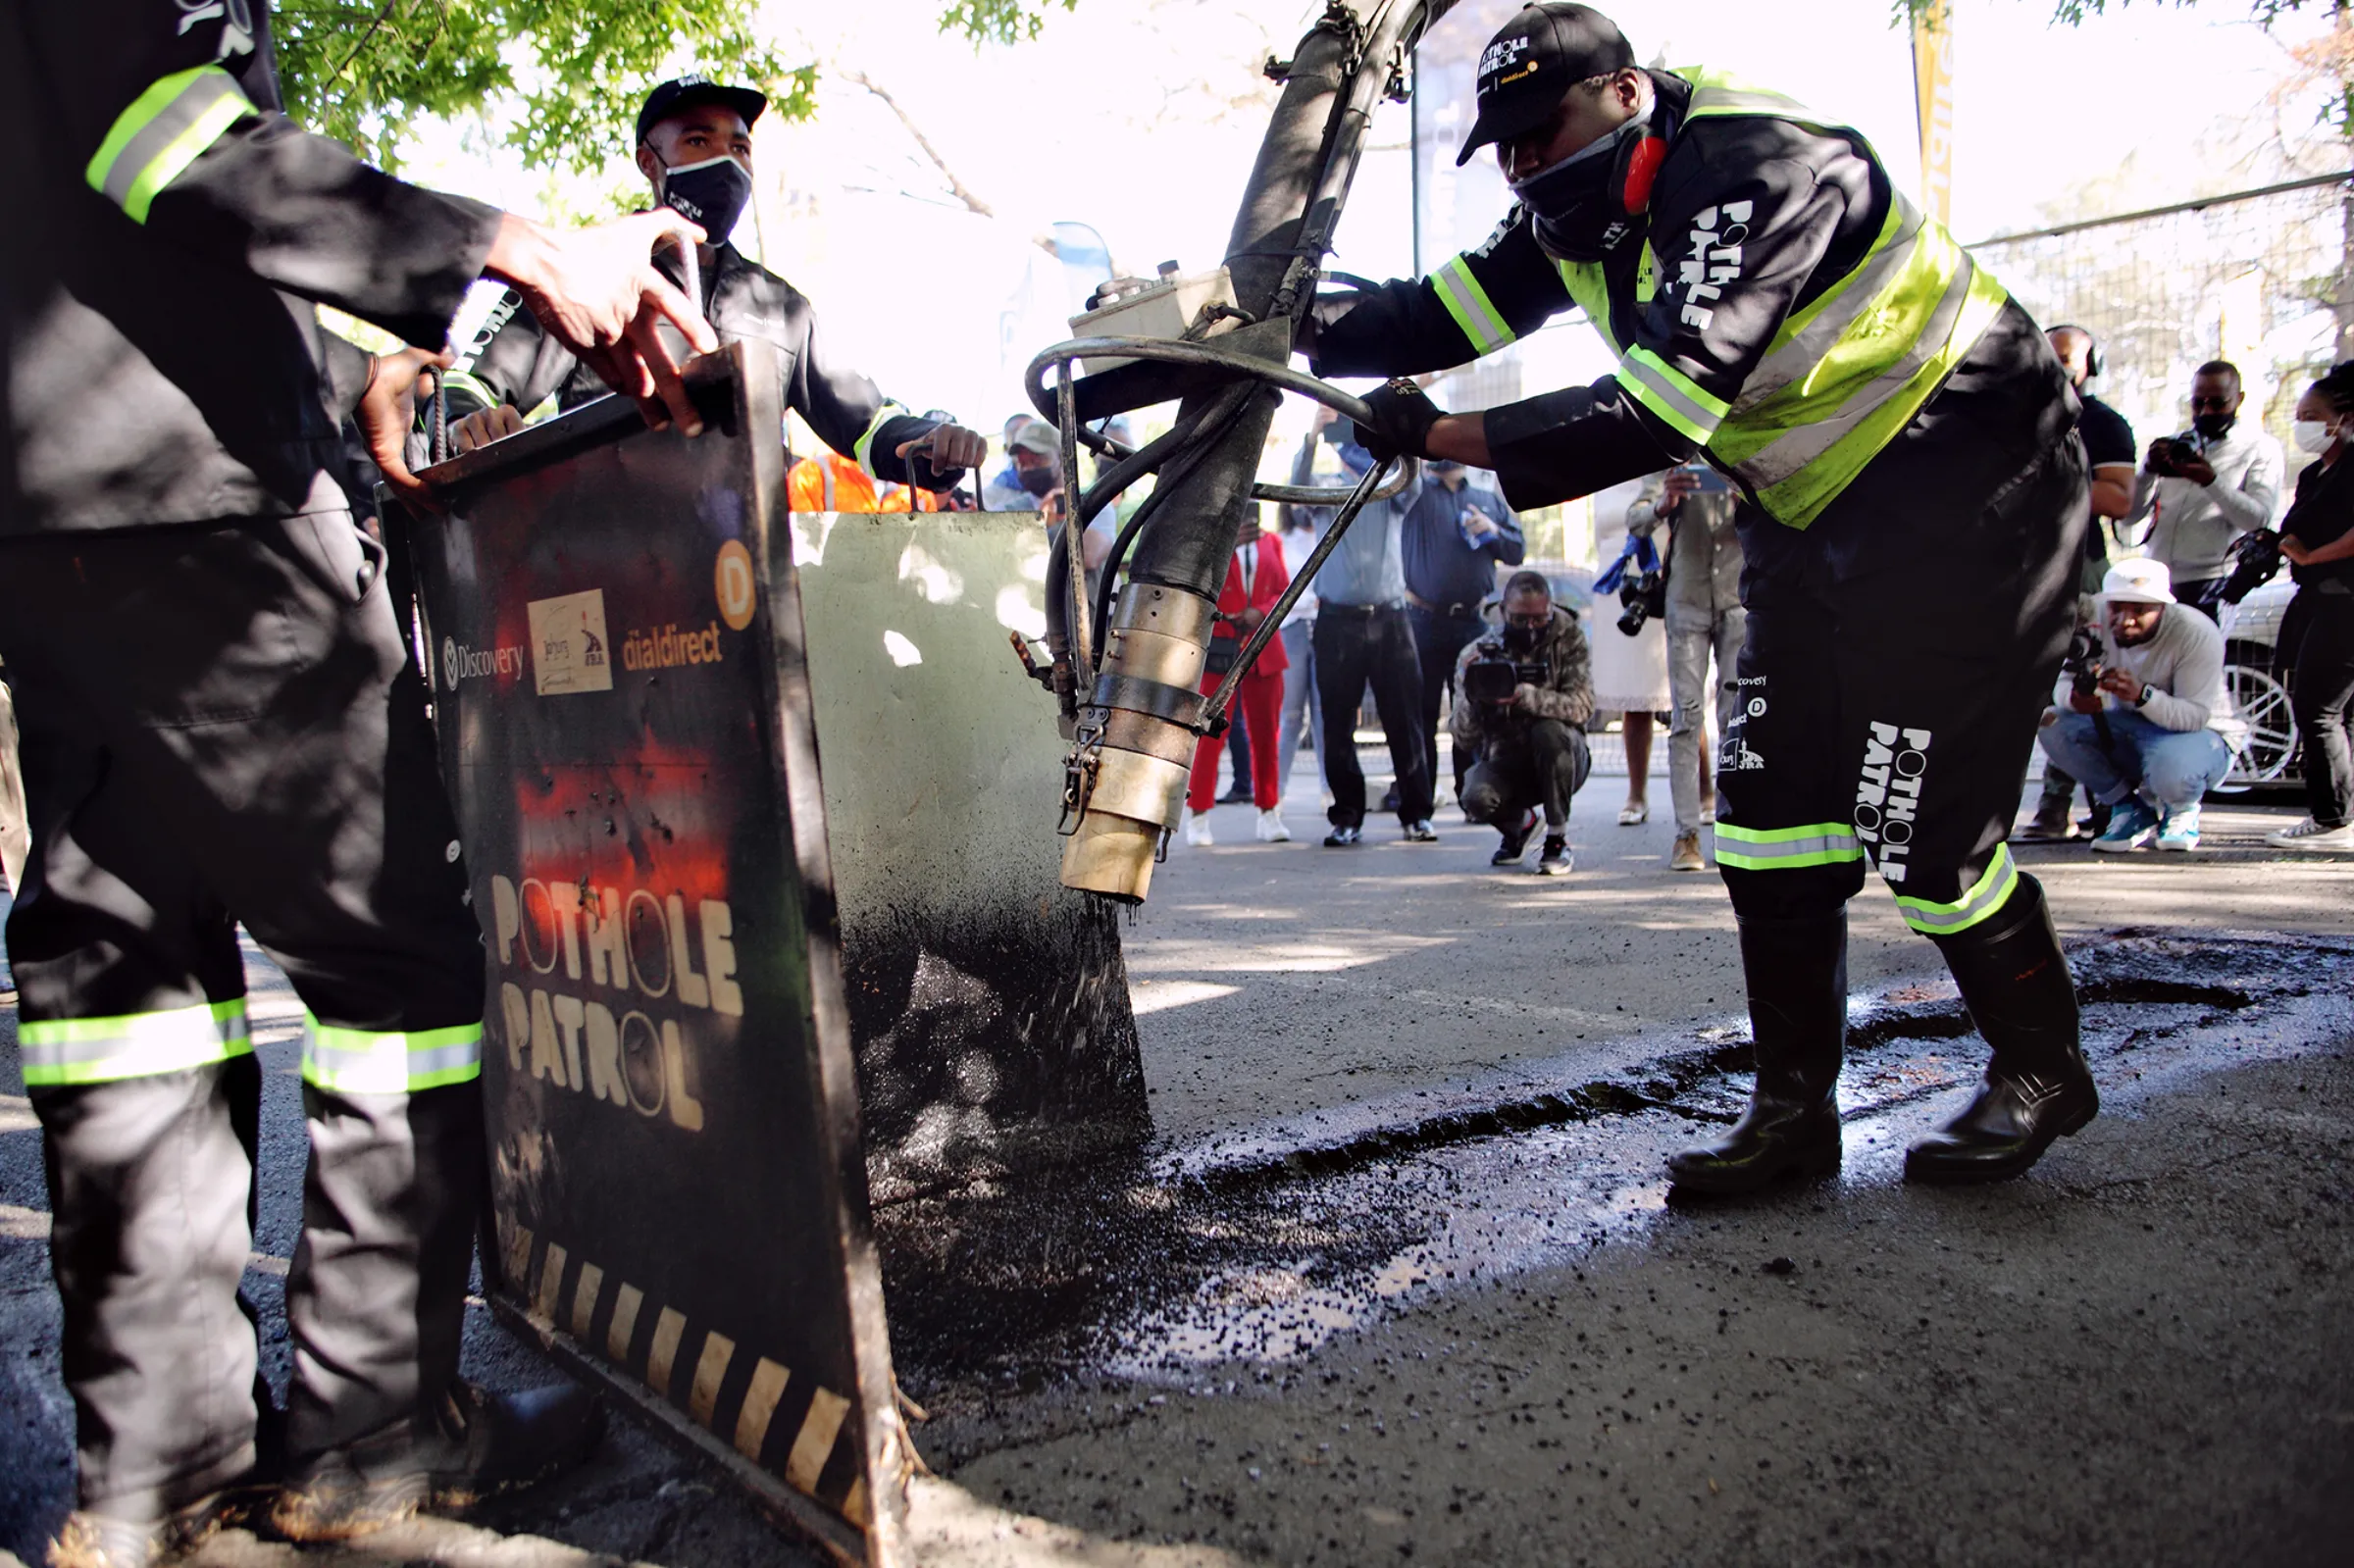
694,147
1903,436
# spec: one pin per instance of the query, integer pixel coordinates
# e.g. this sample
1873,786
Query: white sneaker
1197,830
1271,830
2311,834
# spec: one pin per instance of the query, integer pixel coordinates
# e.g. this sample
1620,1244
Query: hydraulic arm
1130,685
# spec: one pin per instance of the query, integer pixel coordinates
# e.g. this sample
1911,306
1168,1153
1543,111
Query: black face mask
712,194
1038,481
2215,427
1573,211
1520,638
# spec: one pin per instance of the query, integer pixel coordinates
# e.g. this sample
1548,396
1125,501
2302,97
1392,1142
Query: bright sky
1141,119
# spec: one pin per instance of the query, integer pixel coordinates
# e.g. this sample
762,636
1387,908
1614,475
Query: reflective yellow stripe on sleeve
162,132
1482,324
59,1051
1987,896
864,450
1820,843
1672,395
357,1061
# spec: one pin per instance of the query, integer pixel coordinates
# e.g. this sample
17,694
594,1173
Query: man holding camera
2139,713
1523,696
1703,618
2201,489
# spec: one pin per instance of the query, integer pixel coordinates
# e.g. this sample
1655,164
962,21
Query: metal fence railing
2258,278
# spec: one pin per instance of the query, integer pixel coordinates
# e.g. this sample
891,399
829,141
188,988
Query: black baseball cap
1533,62
682,93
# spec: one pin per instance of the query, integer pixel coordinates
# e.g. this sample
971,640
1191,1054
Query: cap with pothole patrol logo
682,93
1533,61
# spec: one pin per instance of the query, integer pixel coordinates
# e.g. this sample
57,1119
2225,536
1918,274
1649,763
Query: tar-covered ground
1397,1281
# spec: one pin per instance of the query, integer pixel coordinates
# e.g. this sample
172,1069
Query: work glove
1402,415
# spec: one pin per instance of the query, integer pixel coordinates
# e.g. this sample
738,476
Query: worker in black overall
694,147
1903,435
217,729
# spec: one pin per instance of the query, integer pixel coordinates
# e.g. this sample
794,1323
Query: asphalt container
758,812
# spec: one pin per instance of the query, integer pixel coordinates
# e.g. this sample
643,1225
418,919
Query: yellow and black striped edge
787,1425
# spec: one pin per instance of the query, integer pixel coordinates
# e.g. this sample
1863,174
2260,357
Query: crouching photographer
1523,694
2139,711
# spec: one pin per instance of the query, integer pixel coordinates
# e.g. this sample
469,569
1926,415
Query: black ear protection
1634,169
2096,363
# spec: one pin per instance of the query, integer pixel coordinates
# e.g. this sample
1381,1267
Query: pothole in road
1149,1268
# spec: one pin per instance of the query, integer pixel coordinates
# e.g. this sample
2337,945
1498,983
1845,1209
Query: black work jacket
511,359
1817,201
168,366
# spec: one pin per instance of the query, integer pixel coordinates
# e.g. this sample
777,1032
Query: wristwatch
2148,693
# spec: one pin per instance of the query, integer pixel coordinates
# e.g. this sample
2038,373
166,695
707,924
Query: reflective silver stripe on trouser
825,477
1794,360
1784,457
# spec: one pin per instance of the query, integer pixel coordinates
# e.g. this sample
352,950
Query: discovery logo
462,662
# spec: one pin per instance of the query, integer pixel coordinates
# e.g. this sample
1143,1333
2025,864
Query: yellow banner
1934,87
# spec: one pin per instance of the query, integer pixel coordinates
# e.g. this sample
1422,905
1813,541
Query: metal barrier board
621,677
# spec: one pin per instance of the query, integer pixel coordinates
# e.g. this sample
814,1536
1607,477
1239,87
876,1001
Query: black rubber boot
477,1445
2015,983
1797,975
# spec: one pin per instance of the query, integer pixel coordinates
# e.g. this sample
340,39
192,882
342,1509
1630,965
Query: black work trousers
218,727
1439,640
1541,765
1358,644
2317,634
1899,659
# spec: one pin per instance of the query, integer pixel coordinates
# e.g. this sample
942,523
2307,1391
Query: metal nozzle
1128,770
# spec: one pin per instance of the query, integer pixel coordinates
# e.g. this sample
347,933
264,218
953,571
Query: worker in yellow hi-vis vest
1903,439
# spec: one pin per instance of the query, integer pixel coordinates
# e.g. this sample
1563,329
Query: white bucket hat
2139,582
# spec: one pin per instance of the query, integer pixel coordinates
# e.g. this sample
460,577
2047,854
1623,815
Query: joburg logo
1888,794
670,648
462,662
1715,259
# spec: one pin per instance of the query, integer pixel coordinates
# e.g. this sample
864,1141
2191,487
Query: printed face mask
712,194
1570,204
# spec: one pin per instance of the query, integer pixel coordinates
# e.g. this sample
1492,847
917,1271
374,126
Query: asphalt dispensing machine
755,806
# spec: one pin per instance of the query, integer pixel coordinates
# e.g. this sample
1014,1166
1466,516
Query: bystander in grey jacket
1704,619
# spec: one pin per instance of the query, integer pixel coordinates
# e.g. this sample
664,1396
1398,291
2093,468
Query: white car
2258,681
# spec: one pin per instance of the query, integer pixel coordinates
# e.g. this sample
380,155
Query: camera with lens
1642,595
1493,678
2178,450
2083,662
2256,559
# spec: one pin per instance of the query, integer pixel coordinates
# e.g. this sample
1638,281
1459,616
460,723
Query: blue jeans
2169,769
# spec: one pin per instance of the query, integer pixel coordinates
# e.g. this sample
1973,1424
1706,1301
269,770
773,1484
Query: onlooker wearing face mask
2203,488
1453,539
695,148
1033,471
2143,732
2318,633
1525,743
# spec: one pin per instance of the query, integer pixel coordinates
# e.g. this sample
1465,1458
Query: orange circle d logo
731,581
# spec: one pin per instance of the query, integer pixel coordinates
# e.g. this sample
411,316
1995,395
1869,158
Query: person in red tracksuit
1254,580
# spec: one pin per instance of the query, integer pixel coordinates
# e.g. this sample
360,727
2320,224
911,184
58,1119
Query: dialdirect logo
462,662
669,648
